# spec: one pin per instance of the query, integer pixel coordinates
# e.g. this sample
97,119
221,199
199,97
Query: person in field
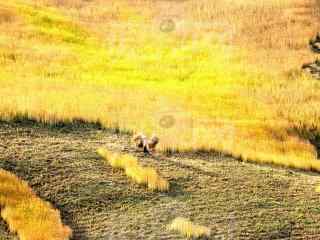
147,145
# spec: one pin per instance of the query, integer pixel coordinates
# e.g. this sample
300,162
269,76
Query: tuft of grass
139,174
189,229
118,161
26,214
147,176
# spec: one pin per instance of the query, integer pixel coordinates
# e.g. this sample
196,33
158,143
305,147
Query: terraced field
237,200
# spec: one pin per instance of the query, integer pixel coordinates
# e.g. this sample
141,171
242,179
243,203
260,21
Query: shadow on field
64,126
310,134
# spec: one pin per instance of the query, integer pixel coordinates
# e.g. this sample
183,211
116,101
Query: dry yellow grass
147,176
189,229
26,214
274,34
139,174
116,160
226,75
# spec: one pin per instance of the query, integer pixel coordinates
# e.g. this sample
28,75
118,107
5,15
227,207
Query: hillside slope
235,199
104,61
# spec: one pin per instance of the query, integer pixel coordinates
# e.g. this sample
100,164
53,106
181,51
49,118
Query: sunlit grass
147,176
139,174
189,229
26,214
133,76
116,160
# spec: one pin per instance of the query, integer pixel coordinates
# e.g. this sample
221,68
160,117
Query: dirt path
236,200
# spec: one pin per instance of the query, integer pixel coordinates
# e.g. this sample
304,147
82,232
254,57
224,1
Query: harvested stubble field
236,200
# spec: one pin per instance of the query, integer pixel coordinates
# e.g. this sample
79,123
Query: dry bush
189,229
26,214
139,174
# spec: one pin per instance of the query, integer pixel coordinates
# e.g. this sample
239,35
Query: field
263,202
219,82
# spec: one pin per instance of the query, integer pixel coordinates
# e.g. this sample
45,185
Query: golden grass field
226,78
205,76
